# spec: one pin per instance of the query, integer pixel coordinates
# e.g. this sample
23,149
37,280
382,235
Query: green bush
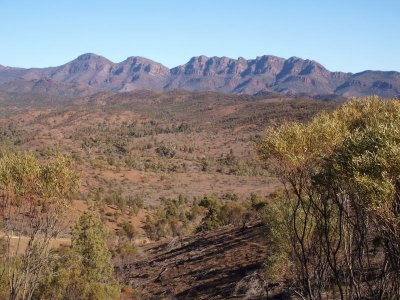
83,271
220,213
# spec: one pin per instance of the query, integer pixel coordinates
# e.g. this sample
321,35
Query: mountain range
90,73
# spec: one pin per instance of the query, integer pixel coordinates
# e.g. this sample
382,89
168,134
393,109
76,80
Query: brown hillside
213,265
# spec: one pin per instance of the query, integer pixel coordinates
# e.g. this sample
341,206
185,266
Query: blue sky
352,35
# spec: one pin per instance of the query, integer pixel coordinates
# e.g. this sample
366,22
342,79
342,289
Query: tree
341,176
34,196
89,239
82,272
63,278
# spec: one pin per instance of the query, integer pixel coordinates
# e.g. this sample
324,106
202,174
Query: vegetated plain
179,180
148,144
152,165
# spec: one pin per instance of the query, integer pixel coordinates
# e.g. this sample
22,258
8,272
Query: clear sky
352,35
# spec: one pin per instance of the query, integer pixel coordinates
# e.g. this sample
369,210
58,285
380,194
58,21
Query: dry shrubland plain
147,144
148,161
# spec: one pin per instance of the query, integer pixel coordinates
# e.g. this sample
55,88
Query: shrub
135,203
128,230
223,213
166,150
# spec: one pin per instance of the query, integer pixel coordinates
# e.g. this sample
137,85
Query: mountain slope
384,84
250,76
220,74
97,71
49,87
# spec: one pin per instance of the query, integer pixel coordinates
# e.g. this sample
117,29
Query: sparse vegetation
193,170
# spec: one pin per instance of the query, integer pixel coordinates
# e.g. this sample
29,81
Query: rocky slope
221,74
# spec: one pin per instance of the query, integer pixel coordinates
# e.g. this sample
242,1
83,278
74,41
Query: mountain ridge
221,74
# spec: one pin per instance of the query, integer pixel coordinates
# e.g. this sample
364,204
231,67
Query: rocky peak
88,62
295,66
141,64
266,64
92,57
210,66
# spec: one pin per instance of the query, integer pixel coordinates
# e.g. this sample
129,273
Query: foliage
232,165
89,239
166,150
135,203
4,288
128,230
220,213
130,203
207,164
84,270
170,218
34,197
175,217
212,219
11,136
341,178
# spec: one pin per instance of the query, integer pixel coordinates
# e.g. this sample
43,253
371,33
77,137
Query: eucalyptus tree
34,195
337,225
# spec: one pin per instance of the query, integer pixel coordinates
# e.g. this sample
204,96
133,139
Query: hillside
219,74
47,86
221,264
